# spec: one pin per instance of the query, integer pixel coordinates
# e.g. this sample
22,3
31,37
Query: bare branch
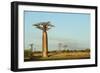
39,27
48,29
44,25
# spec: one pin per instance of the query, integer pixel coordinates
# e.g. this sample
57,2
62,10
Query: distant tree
65,46
31,49
59,46
31,46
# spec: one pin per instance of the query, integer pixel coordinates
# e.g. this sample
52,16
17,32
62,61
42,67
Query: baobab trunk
45,44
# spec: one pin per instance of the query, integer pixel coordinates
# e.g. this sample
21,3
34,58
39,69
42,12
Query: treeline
85,50
68,50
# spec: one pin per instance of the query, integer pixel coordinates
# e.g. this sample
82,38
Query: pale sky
72,29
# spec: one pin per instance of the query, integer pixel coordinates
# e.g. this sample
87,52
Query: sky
71,29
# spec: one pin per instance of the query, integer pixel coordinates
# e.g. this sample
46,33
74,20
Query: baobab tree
65,46
44,26
59,46
31,49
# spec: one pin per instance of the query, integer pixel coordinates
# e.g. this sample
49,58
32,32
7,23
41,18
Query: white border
22,64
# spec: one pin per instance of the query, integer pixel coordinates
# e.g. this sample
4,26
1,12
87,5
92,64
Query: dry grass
67,55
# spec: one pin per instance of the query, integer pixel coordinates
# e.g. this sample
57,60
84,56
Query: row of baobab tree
61,46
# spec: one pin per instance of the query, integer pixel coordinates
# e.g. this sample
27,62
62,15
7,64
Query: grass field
57,55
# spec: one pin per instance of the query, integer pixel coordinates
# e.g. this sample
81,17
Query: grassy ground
65,55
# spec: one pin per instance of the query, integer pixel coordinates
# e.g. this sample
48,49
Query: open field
58,55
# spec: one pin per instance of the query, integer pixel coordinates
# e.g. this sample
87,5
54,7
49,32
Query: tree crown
43,25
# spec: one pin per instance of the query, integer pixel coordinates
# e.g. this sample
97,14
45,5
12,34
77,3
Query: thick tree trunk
45,44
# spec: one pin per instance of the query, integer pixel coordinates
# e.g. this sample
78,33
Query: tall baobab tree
44,26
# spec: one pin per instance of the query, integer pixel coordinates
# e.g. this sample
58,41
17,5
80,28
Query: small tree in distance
59,46
65,46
